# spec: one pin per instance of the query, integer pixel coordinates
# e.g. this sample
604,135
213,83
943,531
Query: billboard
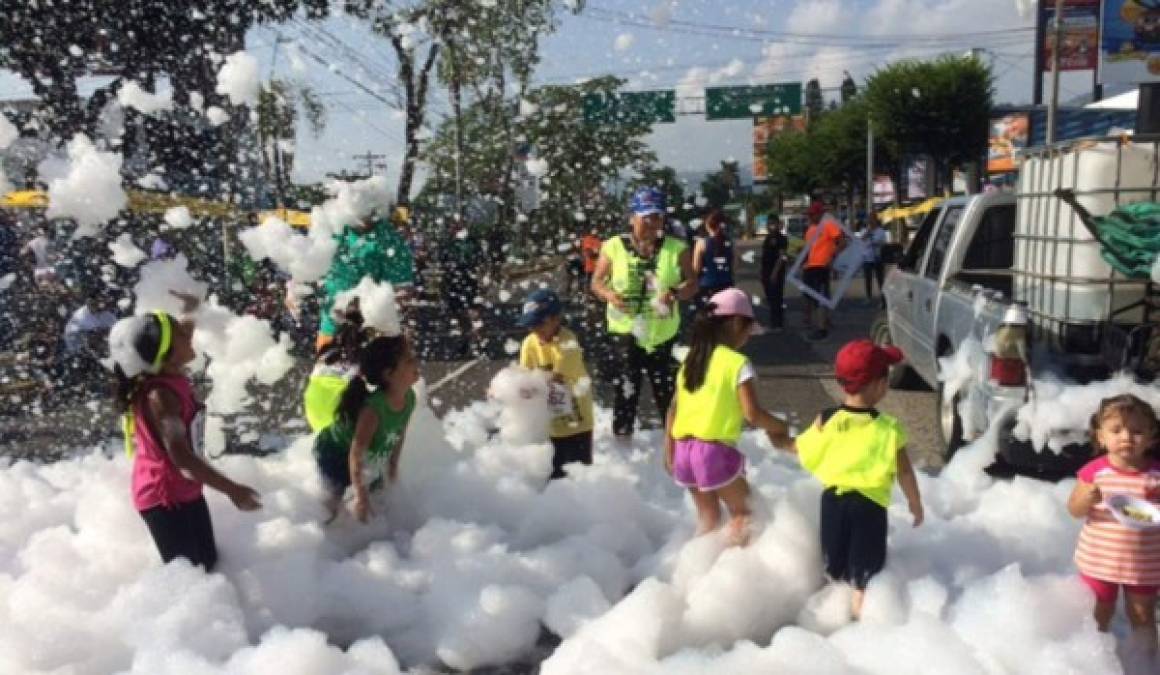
1130,51
1081,38
764,130
1009,133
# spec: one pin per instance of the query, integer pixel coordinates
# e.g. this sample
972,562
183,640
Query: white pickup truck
1025,259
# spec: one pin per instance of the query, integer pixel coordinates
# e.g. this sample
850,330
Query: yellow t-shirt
854,450
564,357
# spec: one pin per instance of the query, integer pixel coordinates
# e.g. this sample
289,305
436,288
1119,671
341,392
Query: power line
679,25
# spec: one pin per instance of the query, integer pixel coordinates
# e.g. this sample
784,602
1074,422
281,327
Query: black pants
872,271
570,449
775,298
853,537
184,531
632,361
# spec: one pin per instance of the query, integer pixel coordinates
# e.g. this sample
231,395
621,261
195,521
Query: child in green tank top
363,445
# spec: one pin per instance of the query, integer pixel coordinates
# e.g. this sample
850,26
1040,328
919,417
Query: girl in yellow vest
715,393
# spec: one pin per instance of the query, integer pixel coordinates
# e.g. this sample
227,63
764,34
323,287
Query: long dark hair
708,332
381,353
347,340
717,219
1124,405
145,343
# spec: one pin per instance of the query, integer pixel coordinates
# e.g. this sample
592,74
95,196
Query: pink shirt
156,480
1107,550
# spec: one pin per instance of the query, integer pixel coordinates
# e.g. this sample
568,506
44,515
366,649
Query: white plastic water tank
1054,252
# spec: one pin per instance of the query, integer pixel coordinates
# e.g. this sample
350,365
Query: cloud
696,79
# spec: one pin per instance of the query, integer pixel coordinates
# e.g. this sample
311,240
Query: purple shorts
706,465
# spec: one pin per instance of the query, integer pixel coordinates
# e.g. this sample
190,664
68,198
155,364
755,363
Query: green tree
849,88
578,160
941,108
815,102
722,186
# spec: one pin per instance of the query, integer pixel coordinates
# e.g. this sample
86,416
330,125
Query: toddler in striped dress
1110,555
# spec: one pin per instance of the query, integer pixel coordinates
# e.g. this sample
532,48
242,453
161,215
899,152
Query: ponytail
706,335
374,358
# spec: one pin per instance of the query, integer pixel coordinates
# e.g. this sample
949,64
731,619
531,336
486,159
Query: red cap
861,362
817,209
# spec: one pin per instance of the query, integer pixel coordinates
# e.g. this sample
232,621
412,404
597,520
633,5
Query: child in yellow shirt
552,347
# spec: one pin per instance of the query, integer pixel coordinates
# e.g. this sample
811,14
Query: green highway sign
764,100
631,107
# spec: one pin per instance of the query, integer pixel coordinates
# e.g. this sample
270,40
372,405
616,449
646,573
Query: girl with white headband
164,428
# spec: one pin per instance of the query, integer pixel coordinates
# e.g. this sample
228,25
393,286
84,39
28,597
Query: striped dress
1107,550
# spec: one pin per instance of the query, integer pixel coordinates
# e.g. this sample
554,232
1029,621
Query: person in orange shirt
816,273
590,250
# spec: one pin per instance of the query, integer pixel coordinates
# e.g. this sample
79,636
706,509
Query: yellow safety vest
639,282
854,450
713,412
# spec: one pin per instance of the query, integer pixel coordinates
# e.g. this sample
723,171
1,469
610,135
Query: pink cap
734,302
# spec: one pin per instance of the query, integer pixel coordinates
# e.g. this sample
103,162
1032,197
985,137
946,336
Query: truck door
899,289
926,289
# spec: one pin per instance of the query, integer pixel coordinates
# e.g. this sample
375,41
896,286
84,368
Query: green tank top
640,282
392,425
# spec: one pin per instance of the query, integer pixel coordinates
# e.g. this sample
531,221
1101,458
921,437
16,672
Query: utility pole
869,169
1056,49
370,158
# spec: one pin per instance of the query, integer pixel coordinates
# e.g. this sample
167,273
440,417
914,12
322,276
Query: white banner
846,264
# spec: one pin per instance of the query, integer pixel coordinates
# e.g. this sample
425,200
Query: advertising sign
1008,134
1081,40
1131,42
766,129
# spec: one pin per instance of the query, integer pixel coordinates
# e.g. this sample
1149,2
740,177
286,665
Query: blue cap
648,201
541,304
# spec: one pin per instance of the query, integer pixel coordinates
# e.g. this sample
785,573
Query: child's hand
1091,495
917,512
669,454
362,509
393,469
189,302
245,498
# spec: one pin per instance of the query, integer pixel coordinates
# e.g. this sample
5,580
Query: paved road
795,374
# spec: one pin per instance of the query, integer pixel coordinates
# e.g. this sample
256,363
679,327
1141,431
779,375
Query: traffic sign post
766,100
631,107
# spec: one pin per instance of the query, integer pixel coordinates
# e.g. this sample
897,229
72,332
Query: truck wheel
950,425
901,376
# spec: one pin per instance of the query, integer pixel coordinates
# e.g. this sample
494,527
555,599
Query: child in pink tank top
164,427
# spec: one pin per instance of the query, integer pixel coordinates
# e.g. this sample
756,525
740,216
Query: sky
655,44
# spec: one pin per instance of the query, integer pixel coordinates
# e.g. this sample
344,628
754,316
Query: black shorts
818,279
183,531
333,463
570,449
853,537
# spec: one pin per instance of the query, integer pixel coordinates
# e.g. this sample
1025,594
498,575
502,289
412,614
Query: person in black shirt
773,268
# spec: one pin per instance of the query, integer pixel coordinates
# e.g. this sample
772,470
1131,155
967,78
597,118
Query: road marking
453,375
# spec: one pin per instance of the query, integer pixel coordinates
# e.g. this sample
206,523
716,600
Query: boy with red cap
857,452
